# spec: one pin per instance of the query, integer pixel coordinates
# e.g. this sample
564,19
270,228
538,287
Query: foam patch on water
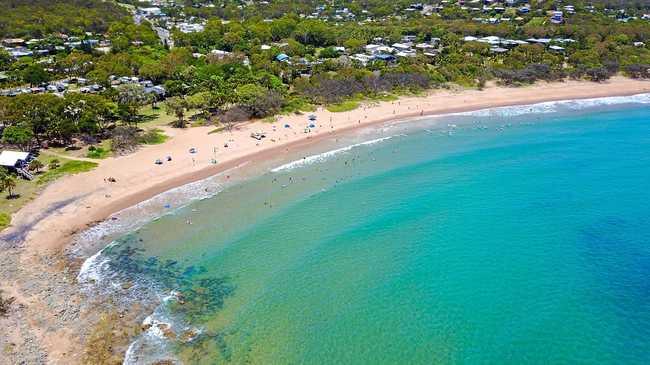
555,106
327,155
153,344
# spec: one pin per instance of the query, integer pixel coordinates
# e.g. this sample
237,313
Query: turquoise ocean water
511,236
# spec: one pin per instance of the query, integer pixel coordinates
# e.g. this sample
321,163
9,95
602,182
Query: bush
97,152
638,71
234,115
264,105
5,305
124,139
54,164
597,74
5,220
528,75
335,90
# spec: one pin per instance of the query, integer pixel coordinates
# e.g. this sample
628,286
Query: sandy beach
74,203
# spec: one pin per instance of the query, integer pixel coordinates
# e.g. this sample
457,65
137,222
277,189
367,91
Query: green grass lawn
155,117
67,168
345,106
298,105
27,190
153,136
158,117
5,220
101,151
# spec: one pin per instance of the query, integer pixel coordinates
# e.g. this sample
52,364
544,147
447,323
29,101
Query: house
425,46
282,57
409,38
385,57
20,52
498,50
557,17
543,41
401,47
13,42
361,58
190,27
16,161
219,54
152,11
491,40
372,48
406,53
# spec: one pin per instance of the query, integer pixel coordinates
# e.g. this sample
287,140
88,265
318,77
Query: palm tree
8,183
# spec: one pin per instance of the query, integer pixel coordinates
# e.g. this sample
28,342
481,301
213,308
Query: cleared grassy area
67,168
384,97
155,117
298,105
101,151
345,106
153,136
158,117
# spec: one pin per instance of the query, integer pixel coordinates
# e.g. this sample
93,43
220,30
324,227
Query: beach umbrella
287,126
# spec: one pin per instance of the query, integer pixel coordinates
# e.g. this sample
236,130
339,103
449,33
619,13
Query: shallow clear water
477,239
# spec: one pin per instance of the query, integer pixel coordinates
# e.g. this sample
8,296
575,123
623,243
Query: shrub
528,75
54,164
5,304
638,71
124,139
97,152
5,220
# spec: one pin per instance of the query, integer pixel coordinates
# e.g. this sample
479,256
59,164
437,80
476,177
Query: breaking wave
556,106
326,155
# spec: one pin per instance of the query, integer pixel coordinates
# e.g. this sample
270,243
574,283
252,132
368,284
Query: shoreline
274,151
46,225
574,90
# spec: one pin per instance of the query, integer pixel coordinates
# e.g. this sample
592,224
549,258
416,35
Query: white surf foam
152,345
555,106
327,155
